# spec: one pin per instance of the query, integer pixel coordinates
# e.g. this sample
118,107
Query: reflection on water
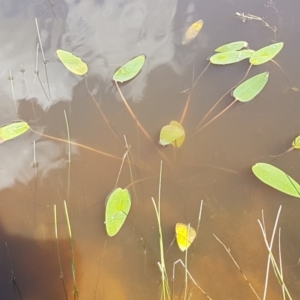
213,165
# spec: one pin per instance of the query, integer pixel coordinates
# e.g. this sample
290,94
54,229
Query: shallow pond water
213,165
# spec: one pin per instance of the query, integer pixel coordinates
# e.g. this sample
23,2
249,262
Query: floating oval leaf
234,46
178,142
230,57
73,63
185,235
277,179
249,89
130,69
192,32
296,142
265,54
117,208
172,134
12,130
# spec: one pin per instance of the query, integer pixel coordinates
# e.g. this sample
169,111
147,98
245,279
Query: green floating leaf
130,69
73,63
234,46
172,134
117,208
249,89
265,54
277,179
296,142
13,130
192,32
230,57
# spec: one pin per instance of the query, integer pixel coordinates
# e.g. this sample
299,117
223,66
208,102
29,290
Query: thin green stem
69,156
72,250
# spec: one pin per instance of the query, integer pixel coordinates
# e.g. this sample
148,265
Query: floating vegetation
119,201
13,130
277,179
117,208
296,142
265,54
234,46
185,235
129,70
72,62
249,89
230,57
192,32
172,134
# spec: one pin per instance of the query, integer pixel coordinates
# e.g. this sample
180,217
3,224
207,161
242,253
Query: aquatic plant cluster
118,203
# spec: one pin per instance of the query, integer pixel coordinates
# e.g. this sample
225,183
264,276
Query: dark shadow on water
35,267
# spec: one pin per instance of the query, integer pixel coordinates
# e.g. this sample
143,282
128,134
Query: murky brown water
213,165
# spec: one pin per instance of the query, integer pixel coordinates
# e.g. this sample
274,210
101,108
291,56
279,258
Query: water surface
213,165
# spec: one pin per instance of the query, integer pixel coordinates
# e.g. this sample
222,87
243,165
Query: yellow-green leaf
73,63
179,141
185,235
296,142
192,32
277,179
250,88
230,57
172,134
234,46
117,208
130,69
265,54
13,130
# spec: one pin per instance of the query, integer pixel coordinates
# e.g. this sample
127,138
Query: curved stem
214,118
190,94
76,144
224,96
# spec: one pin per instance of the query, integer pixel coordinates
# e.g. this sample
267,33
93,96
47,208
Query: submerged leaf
192,32
296,142
172,134
117,208
277,179
185,235
249,89
13,130
73,63
234,46
265,54
230,57
130,69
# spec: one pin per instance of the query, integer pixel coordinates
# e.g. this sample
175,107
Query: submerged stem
69,155
13,278
62,276
228,91
215,117
138,123
13,91
72,249
44,61
236,264
190,95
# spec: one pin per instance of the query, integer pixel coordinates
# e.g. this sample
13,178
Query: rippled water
213,164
